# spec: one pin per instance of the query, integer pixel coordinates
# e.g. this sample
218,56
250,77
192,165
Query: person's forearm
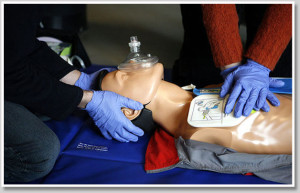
272,36
221,26
86,98
71,77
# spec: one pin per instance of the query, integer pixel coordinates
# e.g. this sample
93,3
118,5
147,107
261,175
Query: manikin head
140,85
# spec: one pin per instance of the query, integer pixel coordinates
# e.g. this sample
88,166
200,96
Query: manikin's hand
250,88
88,81
105,109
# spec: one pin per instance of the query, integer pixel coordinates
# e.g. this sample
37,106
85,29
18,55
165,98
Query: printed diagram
207,109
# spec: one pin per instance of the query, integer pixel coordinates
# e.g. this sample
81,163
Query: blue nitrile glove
105,109
271,97
250,84
227,71
88,81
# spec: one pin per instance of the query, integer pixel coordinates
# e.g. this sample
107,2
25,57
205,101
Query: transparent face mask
137,60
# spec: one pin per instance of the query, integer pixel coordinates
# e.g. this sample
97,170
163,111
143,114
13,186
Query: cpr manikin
260,144
259,133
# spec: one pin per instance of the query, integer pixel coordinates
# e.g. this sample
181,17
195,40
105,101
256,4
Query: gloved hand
250,84
273,83
88,81
105,109
227,71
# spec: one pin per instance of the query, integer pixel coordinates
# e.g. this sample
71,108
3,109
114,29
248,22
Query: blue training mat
86,157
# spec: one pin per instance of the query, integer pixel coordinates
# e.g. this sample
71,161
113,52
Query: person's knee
44,160
32,161
31,147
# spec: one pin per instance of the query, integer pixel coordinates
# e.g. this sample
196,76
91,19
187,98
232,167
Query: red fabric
161,151
248,174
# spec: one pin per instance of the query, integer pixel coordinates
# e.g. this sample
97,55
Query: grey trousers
30,147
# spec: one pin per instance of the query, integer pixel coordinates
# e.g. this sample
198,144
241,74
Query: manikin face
140,85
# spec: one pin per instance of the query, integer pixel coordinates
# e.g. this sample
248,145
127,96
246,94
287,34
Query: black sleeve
31,69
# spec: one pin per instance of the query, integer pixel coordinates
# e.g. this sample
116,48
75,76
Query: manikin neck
170,108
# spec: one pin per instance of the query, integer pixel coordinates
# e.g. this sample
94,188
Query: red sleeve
221,24
273,35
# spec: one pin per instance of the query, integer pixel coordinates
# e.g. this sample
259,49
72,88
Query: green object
66,51
61,48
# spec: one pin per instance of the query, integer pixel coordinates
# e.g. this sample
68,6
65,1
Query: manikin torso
261,132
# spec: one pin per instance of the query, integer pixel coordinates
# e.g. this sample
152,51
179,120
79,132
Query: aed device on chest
207,110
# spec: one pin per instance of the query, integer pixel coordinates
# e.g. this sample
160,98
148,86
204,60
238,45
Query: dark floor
158,27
